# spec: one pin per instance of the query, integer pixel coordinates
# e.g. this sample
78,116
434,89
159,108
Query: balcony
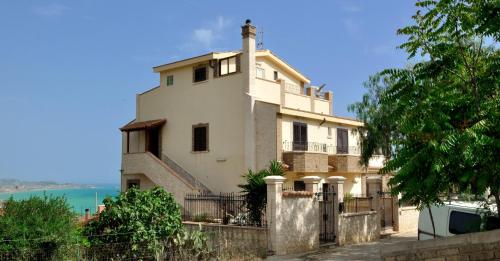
321,157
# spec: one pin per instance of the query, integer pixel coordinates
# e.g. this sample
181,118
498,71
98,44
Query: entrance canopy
143,125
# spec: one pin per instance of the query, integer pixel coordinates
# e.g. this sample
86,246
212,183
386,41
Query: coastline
12,190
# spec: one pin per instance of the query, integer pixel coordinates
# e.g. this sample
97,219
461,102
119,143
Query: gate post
395,213
373,186
337,183
273,211
311,183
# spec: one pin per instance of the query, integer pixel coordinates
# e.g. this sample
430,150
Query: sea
78,198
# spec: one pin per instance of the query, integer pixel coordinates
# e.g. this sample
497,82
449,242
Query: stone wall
408,219
300,161
474,246
355,228
345,163
234,242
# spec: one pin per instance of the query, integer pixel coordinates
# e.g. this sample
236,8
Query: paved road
367,251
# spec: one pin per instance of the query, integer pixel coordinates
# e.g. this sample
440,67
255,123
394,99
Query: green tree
38,227
255,190
442,114
140,219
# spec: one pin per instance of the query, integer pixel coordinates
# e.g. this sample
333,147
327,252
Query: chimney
248,73
248,32
87,214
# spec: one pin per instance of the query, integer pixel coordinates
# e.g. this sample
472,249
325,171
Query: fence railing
357,204
224,208
320,147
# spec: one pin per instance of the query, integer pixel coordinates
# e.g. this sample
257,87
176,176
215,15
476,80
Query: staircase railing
184,173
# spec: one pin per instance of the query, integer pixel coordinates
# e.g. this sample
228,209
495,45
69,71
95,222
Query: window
200,137
133,183
227,66
170,80
299,136
329,132
260,73
299,185
342,141
462,223
275,75
200,73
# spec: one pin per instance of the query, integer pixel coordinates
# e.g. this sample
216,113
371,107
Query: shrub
38,227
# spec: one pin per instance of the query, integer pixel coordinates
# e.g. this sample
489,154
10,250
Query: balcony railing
320,148
292,88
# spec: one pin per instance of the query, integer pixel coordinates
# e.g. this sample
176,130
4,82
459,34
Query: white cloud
352,26
211,32
50,10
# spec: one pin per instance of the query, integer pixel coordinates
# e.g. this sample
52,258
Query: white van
450,219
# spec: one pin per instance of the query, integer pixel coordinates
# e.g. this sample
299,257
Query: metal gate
326,214
386,213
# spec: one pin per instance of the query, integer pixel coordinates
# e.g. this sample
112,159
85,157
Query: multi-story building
217,115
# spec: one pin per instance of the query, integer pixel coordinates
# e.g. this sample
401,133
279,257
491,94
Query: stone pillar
373,185
329,97
311,183
395,213
337,183
311,92
273,211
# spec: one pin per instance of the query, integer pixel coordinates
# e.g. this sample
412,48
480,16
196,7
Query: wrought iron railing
225,208
358,203
320,147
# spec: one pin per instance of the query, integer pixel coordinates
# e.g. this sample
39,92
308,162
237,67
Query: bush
37,228
141,218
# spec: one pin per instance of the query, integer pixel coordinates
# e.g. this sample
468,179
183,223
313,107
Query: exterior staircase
165,173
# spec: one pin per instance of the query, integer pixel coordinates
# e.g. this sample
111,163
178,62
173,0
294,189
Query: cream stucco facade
247,103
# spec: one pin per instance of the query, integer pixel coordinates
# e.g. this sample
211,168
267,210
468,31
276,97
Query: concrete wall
408,219
234,242
355,228
299,221
474,246
265,133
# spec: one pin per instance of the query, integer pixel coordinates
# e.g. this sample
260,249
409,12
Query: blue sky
69,70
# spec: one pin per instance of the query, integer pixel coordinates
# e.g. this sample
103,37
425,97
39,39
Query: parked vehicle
455,218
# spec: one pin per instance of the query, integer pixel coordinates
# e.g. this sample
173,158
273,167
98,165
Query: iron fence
224,208
356,204
213,247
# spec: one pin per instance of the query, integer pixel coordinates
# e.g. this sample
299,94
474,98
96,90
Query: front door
299,136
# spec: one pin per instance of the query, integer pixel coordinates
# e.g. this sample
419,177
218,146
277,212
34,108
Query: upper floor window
170,80
275,75
200,137
260,73
329,132
227,66
200,73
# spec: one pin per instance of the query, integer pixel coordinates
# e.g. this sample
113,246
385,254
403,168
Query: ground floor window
133,183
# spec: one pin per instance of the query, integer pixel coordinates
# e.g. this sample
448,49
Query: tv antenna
260,39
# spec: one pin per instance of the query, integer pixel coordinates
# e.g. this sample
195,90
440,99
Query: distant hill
15,185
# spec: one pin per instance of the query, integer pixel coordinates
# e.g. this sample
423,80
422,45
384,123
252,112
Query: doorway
153,141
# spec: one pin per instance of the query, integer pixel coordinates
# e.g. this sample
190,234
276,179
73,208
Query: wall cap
335,179
311,179
274,179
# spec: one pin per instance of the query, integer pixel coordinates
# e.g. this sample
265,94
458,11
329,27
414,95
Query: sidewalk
366,251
